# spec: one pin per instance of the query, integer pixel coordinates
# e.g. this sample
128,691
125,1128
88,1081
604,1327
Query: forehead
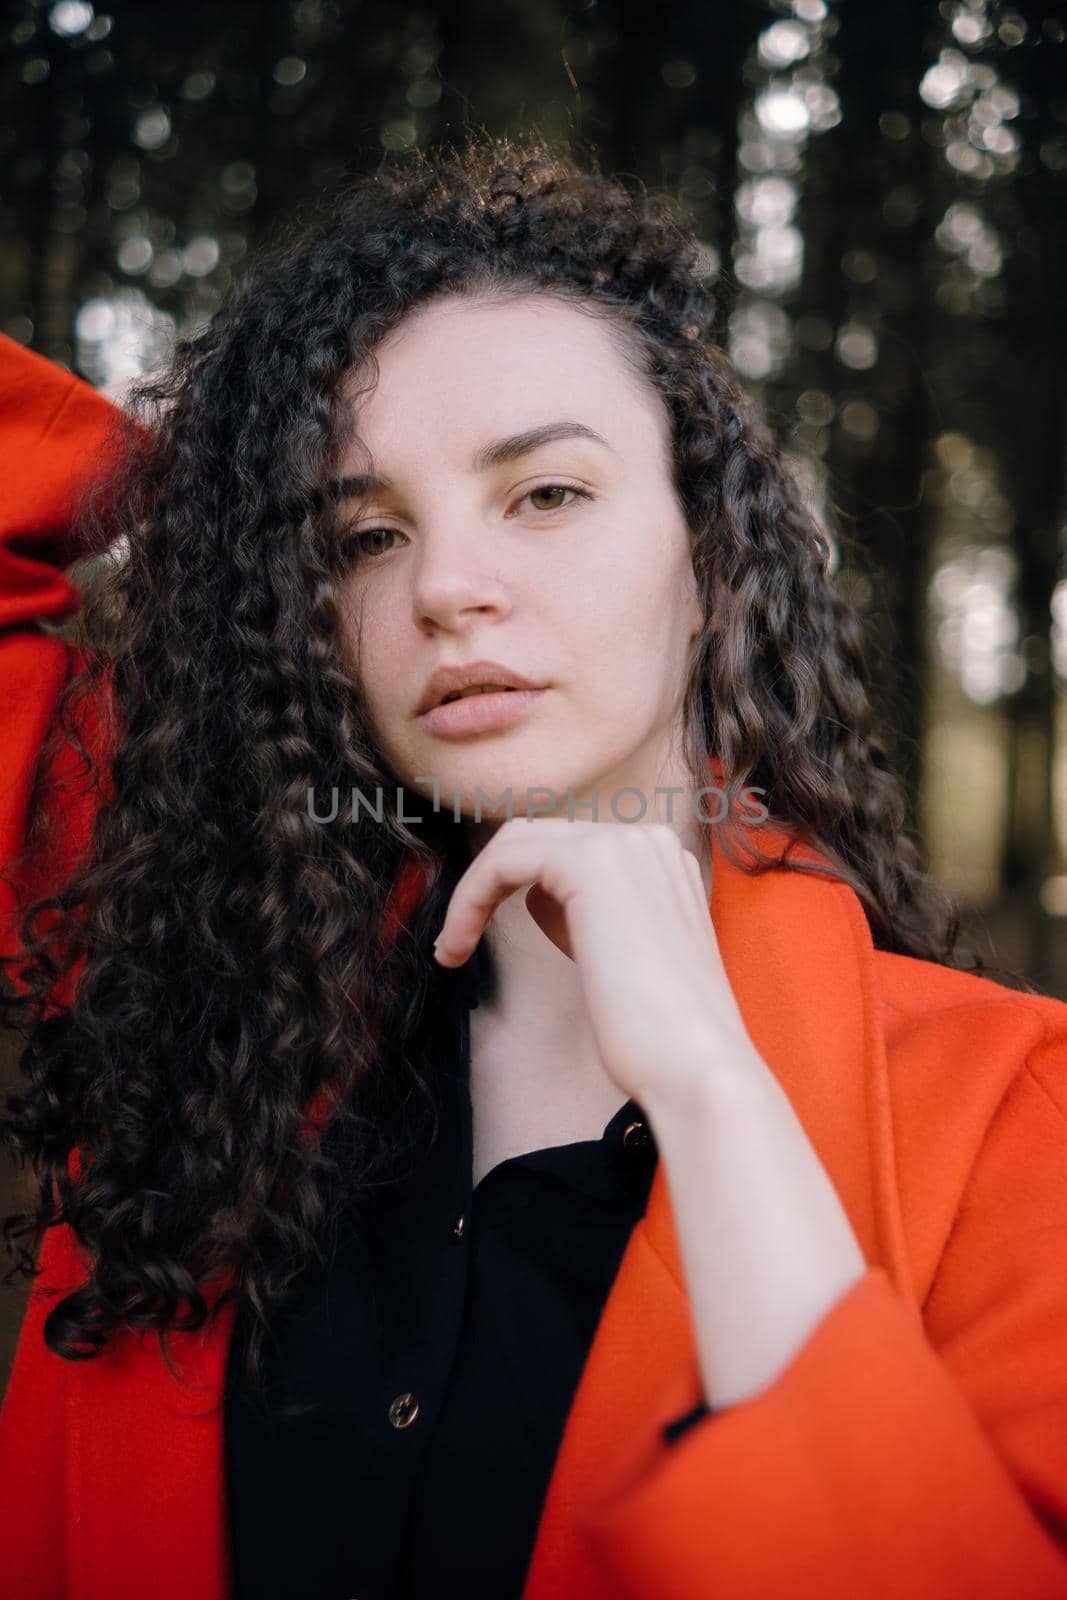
461,367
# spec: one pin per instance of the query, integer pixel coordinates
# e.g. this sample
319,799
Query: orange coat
915,1446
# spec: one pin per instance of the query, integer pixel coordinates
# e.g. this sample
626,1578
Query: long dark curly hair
229,951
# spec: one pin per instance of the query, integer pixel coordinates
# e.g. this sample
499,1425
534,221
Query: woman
341,1079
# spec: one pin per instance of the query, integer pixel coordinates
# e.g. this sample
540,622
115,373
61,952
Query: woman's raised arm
54,431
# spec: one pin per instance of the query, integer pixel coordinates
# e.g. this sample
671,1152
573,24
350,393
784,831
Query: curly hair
230,947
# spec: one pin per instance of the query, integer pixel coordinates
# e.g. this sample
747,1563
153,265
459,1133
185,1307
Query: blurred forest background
881,195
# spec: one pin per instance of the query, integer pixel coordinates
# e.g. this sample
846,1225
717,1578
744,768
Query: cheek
637,649
631,622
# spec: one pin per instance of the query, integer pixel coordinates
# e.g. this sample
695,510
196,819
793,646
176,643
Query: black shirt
445,1342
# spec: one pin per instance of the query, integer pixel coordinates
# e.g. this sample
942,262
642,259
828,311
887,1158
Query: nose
457,575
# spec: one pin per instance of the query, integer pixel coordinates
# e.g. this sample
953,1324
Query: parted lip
447,680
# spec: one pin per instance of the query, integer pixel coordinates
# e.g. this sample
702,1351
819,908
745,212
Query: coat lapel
798,953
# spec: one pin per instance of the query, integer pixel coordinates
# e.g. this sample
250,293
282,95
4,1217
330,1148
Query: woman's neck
535,988
536,1078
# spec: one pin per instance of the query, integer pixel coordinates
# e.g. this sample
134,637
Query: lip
468,675
480,713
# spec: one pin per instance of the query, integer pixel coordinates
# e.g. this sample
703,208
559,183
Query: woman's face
567,563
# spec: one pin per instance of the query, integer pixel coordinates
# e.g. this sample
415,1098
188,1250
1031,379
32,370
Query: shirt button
458,1229
404,1410
636,1137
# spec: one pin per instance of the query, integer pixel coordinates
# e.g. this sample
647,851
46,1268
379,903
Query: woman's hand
626,902
766,1244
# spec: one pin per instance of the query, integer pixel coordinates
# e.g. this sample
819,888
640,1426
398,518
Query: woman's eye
360,544
555,489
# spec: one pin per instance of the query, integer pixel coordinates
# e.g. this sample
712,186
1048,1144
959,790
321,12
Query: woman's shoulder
963,1049
970,1013
976,1087
913,985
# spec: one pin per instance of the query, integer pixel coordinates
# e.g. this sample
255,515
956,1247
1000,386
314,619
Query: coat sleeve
55,433
896,1455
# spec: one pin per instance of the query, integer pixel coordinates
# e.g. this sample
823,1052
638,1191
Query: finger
505,865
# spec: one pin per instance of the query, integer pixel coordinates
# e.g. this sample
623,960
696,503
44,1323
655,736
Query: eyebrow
490,455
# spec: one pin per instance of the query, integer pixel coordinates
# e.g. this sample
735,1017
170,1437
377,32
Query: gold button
458,1229
635,1136
404,1410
